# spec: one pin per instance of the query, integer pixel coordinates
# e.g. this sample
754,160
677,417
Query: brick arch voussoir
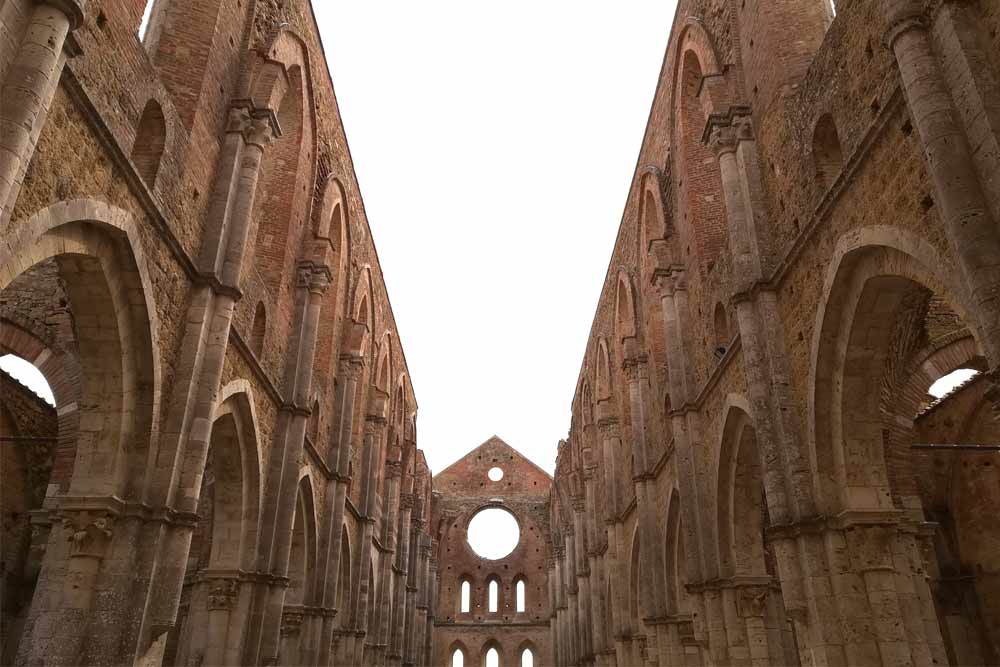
32,343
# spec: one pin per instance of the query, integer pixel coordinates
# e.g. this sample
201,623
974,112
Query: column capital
89,533
73,9
349,366
258,126
394,470
724,131
223,593
901,17
314,277
635,367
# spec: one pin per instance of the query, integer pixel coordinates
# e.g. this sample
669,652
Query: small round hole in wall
495,474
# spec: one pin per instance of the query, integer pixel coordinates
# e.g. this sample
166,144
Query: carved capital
901,18
73,9
350,366
291,621
89,533
635,367
406,502
314,277
752,602
609,427
258,131
393,469
223,593
722,140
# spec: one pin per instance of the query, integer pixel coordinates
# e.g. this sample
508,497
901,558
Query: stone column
608,425
423,600
375,423
651,545
400,618
550,581
582,583
311,283
28,89
393,472
671,283
433,577
61,640
350,370
596,582
958,192
413,586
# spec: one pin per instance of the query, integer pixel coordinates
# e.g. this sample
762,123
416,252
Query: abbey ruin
754,472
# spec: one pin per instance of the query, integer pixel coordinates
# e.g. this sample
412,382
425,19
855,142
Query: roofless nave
754,472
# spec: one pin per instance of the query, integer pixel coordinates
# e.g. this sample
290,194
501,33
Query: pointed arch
828,155
603,377
699,89
150,141
302,561
626,324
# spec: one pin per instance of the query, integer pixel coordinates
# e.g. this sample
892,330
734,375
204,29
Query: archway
89,250
211,623
889,299
747,565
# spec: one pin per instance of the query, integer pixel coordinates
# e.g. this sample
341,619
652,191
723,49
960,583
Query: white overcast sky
494,144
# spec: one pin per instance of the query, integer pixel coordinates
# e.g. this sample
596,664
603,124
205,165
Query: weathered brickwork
231,473
755,472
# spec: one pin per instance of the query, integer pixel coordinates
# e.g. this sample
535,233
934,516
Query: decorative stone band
212,281
669,619
819,524
117,508
734,583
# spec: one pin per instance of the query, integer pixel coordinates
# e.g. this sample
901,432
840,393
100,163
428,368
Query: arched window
520,595
494,595
827,154
258,330
492,658
527,658
466,601
150,139
458,658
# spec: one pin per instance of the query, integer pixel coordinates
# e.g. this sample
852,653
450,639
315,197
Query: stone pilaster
27,91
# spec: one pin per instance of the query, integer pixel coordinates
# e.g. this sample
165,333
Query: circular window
495,474
493,533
